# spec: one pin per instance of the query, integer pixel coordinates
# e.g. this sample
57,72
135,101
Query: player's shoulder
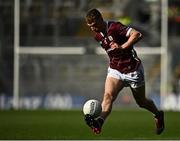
115,25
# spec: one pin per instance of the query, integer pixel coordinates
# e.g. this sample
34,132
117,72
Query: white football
92,107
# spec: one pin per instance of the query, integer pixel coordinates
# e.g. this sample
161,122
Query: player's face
95,25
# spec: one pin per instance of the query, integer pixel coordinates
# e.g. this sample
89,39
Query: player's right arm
133,37
128,34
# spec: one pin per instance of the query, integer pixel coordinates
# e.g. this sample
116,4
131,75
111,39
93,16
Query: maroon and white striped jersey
124,60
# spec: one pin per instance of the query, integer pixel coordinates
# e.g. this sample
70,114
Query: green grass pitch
69,125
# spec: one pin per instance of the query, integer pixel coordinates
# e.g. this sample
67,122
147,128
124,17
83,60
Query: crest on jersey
110,38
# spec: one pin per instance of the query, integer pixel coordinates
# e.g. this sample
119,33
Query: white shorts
133,79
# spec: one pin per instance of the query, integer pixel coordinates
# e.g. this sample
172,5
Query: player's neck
104,31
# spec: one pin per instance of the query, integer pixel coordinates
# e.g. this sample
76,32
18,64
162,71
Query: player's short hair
93,15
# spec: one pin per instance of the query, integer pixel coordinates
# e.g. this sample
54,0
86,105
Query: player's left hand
113,45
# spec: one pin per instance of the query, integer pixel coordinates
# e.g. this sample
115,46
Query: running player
125,68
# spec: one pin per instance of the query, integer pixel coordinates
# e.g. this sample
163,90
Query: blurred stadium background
49,60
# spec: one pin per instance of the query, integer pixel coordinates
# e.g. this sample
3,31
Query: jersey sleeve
123,30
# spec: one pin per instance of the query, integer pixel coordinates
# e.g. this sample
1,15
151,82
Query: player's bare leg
112,88
143,102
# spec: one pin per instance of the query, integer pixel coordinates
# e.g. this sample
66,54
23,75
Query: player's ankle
158,113
100,120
